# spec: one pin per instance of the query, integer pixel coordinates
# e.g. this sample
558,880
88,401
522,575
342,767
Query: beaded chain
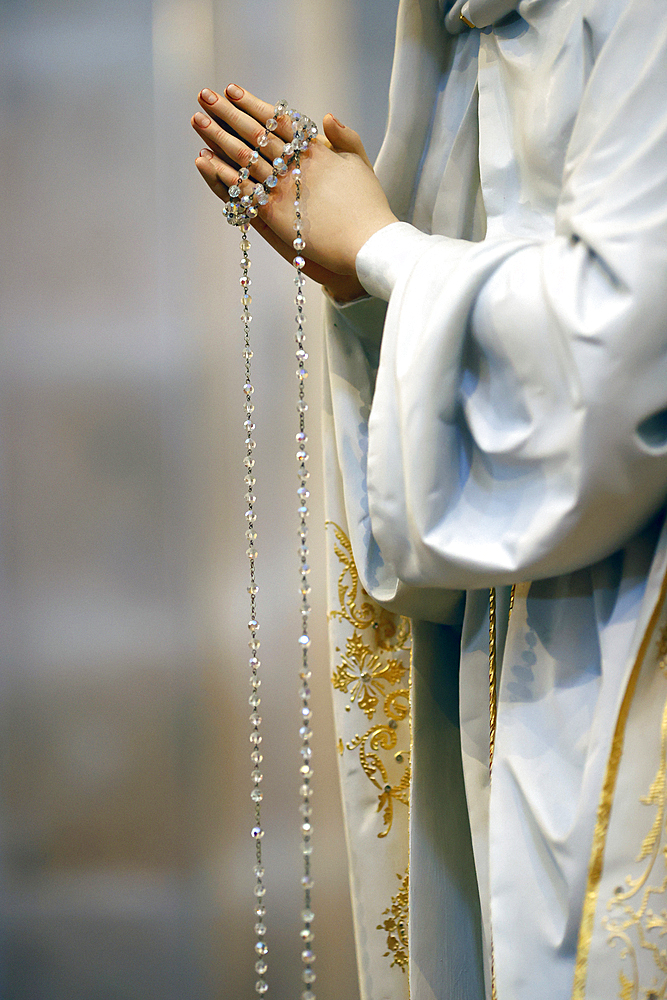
239,211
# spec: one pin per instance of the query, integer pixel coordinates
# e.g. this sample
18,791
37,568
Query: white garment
517,431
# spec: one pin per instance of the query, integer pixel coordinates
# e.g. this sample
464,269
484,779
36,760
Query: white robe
506,421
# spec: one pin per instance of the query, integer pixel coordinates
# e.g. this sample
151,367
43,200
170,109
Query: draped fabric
503,420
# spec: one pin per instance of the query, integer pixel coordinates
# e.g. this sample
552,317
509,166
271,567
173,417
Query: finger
220,176
252,131
229,147
258,109
343,139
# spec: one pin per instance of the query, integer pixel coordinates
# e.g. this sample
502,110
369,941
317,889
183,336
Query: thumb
344,140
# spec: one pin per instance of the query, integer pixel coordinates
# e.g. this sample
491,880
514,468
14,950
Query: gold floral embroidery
392,632
373,674
366,673
372,679
396,924
379,738
628,924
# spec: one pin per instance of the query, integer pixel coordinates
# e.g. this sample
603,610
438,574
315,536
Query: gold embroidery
493,689
391,631
371,673
624,919
373,680
604,808
383,738
363,671
396,924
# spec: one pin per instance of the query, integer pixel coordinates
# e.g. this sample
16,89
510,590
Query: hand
343,203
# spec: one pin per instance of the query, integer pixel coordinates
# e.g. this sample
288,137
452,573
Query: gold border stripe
604,809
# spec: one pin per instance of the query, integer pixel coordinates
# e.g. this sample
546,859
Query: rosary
238,211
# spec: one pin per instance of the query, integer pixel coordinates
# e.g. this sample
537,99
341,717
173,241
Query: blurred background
125,855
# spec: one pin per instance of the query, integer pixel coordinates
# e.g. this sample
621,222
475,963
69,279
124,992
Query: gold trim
493,712
604,808
466,21
623,918
493,685
410,704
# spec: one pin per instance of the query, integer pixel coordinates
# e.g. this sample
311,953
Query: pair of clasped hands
343,203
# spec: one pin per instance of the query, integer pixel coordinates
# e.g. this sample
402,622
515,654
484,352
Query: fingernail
339,124
206,154
234,92
202,120
208,96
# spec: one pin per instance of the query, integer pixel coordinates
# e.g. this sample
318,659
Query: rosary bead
257,833
254,156
262,198
234,191
271,125
307,955
258,871
307,916
308,995
271,181
261,986
261,947
256,795
263,140
309,976
260,929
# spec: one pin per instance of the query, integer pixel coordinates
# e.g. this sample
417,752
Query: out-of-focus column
124,770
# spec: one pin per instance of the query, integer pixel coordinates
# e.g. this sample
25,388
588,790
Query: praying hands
342,201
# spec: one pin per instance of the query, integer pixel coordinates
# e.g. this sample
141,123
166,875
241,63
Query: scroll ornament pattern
372,672
637,920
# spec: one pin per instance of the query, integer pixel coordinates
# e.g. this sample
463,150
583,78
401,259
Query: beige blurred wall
125,853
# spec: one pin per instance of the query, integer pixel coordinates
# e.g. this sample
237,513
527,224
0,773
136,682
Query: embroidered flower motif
364,674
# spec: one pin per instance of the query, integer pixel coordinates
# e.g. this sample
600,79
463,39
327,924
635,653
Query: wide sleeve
518,426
